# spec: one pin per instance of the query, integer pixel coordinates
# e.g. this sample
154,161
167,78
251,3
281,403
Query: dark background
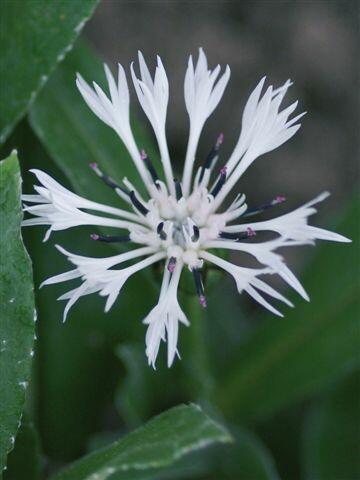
311,42
81,390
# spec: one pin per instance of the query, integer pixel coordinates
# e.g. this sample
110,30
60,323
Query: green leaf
246,458
282,435
140,393
289,359
17,314
163,440
60,113
227,323
35,35
25,460
77,370
332,435
195,361
135,398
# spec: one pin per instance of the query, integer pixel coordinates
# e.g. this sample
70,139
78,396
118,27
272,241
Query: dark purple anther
219,140
171,264
223,171
212,157
106,179
196,235
265,206
220,183
178,189
149,165
137,204
160,231
199,286
110,238
250,232
202,301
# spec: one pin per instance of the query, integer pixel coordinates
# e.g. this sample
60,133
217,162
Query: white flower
202,96
58,207
293,225
164,318
177,222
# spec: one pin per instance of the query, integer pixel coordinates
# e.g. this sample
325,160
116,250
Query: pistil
160,231
106,179
199,287
150,166
212,157
171,264
238,235
220,183
110,238
137,204
178,189
196,235
261,208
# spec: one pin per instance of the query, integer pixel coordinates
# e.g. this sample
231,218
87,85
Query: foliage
38,34
18,313
95,409
158,443
287,360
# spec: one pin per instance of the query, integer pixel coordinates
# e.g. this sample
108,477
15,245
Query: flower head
180,222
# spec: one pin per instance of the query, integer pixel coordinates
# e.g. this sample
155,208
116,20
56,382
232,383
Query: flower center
178,234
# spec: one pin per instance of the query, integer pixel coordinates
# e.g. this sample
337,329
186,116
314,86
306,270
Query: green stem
195,355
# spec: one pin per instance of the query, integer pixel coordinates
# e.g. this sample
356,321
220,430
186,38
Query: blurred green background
288,389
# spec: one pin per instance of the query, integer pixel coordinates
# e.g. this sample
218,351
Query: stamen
171,264
238,235
199,287
202,301
110,238
178,189
212,156
220,183
137,204
160,231
195,237
150,166
219,140
262,208
106,179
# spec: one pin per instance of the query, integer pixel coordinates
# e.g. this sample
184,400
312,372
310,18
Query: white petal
246,279
172,338
163,319
294,225
76,295
264,129
202,96
62,277
256,296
